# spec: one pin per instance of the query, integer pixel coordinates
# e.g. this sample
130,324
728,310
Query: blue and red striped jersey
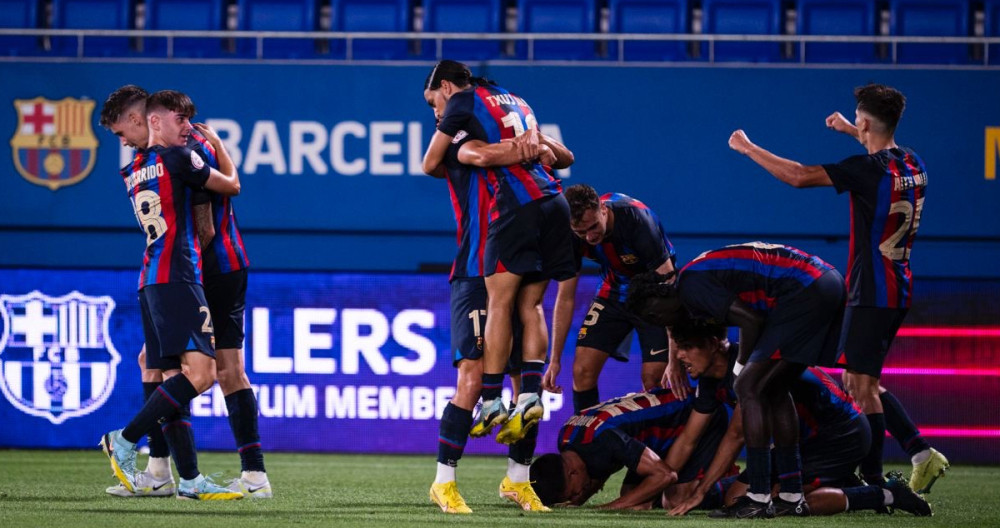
655,418
471,200
491,114
757,273
887,198
824,408
226,253
637,243
161,183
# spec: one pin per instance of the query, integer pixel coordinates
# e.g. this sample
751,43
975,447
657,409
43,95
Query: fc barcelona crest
54,144
56,356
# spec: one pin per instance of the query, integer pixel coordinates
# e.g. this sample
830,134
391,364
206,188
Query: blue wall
359,203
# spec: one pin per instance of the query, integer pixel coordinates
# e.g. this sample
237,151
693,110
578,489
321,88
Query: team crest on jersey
54,143
629,259
459,137
57,360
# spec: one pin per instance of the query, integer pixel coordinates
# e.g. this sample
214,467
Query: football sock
452,434
157,444
585,398
864,498
445,473
492,386
523,451
180,437
517,472
759,471
159,467
900,426
531,377
788,464
165,401
871,464
242,407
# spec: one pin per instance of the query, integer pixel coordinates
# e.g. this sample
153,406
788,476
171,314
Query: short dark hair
581,198
645,286
885,103
547,478
691,333
171,100
454,72
119,101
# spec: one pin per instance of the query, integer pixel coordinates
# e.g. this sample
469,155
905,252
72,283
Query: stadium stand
373,16
654,17
991,15
93,14
19,14
197,15
278,15
931,18
838,17
464,16
743,17
558,16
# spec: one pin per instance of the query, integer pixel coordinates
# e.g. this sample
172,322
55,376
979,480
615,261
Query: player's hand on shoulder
210,134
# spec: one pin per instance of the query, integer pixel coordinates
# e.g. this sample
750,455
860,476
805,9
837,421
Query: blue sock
531,377
523,450
900,426
157,444
242,407
864,498
789,467
453,433
492,386
172,395
871,465
585,398
180,437
759,469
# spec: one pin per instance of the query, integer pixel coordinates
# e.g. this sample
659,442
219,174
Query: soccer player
887,188
472,200
529,241
625,237
785,302
834,435
177,323
636,431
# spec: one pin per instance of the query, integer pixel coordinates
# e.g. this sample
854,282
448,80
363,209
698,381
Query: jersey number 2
896,247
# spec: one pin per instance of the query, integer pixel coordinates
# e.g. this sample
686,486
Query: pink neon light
948,331
931,371
957,432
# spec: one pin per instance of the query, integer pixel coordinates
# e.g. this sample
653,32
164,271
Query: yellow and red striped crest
54,144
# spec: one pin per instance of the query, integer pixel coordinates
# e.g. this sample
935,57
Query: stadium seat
838,17
93,14
278,15
21,14
650,16
991,10
196,15
558,16
464,16
372,16
931,18
742,17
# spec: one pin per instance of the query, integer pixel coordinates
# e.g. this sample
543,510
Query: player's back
824,408
640,415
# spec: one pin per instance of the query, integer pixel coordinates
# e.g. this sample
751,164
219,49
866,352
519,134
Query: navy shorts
534,242
226,295
608,327
175,320
805,328
704,451
831,458
468,323
867,334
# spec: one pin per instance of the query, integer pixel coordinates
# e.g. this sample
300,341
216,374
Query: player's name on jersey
505,99
362,402
144,174
904,182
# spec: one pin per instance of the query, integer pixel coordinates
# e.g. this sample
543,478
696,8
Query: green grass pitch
65,489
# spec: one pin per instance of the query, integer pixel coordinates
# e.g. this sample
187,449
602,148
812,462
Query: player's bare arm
204,224
791,172
564,156
656,476
434,156
482,154
674,376
725,455
837,121
680,451
562,320
225,180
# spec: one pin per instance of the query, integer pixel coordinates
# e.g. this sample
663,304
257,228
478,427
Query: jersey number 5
149,214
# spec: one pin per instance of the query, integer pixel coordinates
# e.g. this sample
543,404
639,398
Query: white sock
158,467
524,396
920,457
759,497
255,478
790,497
445,473
888,497
517,472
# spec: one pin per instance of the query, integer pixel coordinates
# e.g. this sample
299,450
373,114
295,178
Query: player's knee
651,380
142,358
584,376
232,379
469,387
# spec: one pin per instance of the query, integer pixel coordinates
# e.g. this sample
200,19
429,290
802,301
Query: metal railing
979,47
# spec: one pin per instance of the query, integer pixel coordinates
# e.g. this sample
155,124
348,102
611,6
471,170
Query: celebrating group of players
805,436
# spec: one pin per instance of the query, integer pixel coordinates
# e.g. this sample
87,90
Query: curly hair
121,100
581,198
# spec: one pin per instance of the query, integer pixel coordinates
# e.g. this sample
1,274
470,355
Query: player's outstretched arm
562,320
791,172
680,451
656,476
725,455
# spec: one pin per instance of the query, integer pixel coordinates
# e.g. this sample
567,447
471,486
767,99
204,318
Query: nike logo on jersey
657,352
